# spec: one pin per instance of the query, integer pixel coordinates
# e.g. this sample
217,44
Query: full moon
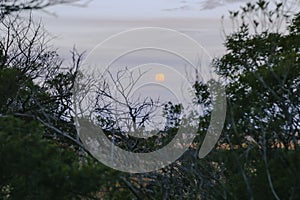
160,77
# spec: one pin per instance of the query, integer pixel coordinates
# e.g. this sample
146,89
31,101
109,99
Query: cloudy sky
149,9
191,28
185,36
93,21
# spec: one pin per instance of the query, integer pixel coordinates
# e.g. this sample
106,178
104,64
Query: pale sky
145,9
88,26
85,26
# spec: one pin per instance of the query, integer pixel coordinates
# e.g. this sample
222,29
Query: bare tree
263,16
38,84
117,101
9,6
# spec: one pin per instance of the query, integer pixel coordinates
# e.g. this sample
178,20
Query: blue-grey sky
88,25
116,9
85,26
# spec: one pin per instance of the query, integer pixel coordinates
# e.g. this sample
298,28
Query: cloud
211,4
202,4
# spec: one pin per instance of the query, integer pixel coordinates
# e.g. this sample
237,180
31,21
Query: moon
160,77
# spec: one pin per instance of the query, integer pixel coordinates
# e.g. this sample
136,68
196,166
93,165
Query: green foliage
8,86
40,156
36,168
262,73
257,156
172,114
283,166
